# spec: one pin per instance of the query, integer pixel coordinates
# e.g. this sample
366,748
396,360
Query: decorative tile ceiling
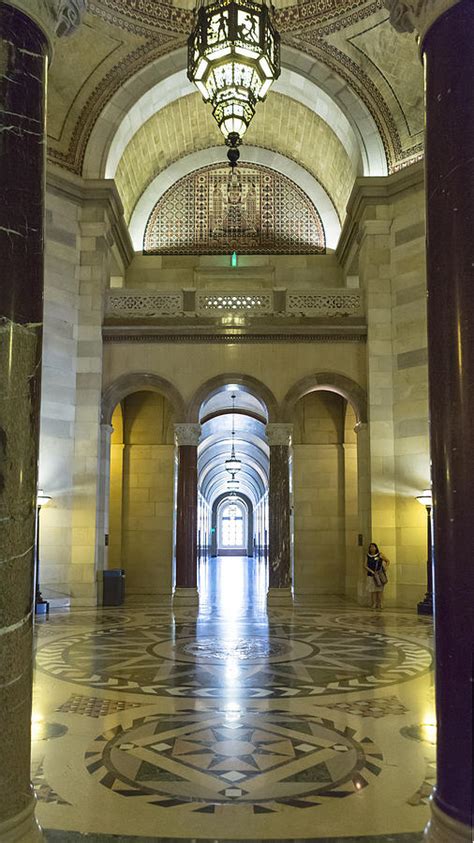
255,211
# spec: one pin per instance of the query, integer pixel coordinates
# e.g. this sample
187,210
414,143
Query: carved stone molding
187,434
57,18
416,15
279,434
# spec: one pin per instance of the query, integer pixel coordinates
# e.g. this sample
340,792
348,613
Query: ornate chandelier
233,464
233,58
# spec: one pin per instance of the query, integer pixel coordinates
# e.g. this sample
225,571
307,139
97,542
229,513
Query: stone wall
58,406
319,494
148,487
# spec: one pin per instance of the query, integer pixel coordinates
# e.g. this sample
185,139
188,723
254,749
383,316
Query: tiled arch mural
255,211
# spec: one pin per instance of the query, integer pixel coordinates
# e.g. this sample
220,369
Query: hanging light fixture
233,58
233,464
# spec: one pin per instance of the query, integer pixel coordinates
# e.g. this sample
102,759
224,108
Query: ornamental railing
140,304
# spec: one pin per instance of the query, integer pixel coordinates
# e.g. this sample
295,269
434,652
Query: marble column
279,439
27,29
446,33
187,439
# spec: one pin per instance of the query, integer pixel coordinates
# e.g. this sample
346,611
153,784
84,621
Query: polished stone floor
314,722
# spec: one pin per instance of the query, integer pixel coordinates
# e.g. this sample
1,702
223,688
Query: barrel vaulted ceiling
187,125
350,47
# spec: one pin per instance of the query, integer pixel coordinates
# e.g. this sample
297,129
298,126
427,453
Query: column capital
417,15
360,426
187,434
56,18
279,434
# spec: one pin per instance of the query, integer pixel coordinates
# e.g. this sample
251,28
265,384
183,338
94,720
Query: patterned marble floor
228,723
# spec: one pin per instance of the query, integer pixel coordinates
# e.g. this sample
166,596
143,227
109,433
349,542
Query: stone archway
332,382
246,382
331,482
139,382
246,500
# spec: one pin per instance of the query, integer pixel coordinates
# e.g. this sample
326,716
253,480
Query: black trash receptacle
114,587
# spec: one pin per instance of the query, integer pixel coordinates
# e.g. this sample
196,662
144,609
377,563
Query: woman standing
376,562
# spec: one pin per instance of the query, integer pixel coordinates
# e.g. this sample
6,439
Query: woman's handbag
380,578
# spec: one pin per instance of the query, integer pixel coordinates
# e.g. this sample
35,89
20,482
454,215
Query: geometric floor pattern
275,661
248,759
313,722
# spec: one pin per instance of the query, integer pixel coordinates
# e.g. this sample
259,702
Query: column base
443,829
425,606
185,597
280,597
23,828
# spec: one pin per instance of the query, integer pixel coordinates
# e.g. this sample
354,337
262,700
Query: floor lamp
425,607
41,605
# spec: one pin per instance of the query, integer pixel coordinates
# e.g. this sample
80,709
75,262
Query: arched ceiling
373,72
249,420
281,124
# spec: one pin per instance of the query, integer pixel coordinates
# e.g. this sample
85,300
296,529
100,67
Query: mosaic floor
311,723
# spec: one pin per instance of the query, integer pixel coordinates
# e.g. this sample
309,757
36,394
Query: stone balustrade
137,304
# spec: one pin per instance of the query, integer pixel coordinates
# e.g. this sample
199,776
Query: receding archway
247,383
216,549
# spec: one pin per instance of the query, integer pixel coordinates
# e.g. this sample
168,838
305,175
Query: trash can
114,587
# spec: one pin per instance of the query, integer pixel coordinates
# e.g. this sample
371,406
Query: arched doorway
141,497
232,504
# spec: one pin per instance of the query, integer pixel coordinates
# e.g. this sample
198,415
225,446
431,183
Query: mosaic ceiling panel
255,211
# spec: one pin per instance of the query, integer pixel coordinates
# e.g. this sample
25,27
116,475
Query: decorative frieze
416,15
57,18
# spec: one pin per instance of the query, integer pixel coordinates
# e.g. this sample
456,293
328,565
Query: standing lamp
425,607
41,605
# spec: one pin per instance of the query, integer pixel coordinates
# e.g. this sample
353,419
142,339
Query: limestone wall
410,392
58,406
319,494
147,488
391,266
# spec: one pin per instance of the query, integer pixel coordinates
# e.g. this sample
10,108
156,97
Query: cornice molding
56,18
99,192
417,15
369,191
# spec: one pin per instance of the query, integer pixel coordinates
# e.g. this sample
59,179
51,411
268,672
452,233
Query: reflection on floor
311,723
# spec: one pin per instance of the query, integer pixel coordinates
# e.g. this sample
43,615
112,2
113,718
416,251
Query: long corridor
234,723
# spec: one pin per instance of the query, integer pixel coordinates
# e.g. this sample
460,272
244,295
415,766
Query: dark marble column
446,31
279,437
449,61
26,28
23,60
187,438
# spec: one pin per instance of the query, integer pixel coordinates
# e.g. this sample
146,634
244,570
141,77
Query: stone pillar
26,30
363,504
187,439
446,31
374,273
279,439
103,505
